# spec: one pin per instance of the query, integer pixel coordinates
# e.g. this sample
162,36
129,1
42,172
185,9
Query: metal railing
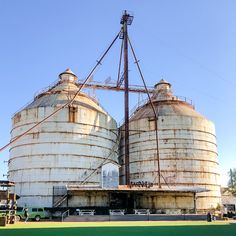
146,100
64,214
133,110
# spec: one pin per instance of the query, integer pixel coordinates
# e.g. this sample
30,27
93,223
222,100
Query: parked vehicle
34,213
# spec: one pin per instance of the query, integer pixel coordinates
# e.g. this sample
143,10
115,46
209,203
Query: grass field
190,228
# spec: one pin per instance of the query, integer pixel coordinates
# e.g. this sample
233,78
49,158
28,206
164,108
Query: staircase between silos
60,201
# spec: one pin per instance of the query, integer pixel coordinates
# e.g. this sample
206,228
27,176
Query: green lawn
190,228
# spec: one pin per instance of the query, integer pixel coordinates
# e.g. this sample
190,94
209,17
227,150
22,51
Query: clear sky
191,44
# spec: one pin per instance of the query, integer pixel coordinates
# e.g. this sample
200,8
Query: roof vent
68,76
162,91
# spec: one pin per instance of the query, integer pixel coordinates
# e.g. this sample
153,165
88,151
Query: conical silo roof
62,92
166,104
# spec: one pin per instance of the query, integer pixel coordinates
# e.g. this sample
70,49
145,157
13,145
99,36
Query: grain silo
187,152
70,148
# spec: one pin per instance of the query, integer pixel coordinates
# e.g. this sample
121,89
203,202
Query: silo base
158,201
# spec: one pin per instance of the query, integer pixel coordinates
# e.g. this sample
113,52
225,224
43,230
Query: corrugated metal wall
187,148
65,149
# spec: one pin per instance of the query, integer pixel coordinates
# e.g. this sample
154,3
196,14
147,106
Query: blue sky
191,44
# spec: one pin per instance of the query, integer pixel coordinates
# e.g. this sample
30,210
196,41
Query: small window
40,209
35,135
17,118
34,209
73,114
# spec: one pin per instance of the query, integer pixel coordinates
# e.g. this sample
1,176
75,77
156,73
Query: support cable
68,103
155,114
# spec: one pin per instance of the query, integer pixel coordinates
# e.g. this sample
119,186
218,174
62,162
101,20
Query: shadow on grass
199,230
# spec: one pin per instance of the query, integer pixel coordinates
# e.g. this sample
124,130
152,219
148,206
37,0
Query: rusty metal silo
65,149
187,149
